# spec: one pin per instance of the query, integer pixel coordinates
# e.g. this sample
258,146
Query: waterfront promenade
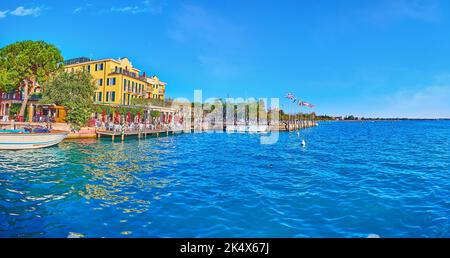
142,130
137,133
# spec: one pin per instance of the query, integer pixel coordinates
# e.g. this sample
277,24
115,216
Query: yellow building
118,82
156,88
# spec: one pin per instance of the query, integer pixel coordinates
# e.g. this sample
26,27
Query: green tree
25,64
155,113
74,91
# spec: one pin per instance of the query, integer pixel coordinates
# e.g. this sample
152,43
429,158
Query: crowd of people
36,119
137,125
134,125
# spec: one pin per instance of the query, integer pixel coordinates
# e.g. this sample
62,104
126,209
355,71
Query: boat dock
297,125
136,133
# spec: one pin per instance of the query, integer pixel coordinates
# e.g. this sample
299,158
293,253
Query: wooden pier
296,125
139,134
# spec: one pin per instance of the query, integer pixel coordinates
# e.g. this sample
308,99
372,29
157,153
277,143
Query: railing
18,96
136,128
126,72
10,96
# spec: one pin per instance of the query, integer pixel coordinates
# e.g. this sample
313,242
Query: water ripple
353,179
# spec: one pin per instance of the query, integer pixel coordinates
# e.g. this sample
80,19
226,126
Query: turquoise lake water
352,179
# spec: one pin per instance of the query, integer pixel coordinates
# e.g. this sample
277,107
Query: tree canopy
25,63
75,91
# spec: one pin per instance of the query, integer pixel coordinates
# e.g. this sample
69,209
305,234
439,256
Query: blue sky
385,58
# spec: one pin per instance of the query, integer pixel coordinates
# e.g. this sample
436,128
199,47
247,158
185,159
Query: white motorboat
21,140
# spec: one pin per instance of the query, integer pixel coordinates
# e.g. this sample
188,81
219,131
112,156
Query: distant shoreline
388,119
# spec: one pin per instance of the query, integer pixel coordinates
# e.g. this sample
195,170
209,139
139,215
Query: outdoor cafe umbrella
139,116
117,117
103,115
128,116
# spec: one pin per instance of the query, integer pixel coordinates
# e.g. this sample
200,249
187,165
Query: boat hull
30,141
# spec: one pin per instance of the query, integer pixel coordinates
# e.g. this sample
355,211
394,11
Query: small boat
21,139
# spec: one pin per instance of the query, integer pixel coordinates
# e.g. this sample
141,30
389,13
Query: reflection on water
103,174
31,160
119,174
353,179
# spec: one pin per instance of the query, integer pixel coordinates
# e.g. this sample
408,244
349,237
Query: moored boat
21,140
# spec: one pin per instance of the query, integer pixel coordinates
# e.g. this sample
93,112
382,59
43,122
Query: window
100,82
88,67
113,96
124,98
99,67
99,96
124,84
111,81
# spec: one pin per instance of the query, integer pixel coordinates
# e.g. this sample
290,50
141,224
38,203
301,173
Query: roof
85,60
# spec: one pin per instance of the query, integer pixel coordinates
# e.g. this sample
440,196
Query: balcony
11,96
18,96
127,73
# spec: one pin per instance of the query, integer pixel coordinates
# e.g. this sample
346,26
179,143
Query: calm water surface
353,179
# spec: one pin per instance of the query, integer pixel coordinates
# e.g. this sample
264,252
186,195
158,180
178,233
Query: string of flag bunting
292,97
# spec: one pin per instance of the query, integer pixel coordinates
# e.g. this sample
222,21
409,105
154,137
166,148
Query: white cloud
144,7
395,10
82,8
131,9
3,13
22,11
427,102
